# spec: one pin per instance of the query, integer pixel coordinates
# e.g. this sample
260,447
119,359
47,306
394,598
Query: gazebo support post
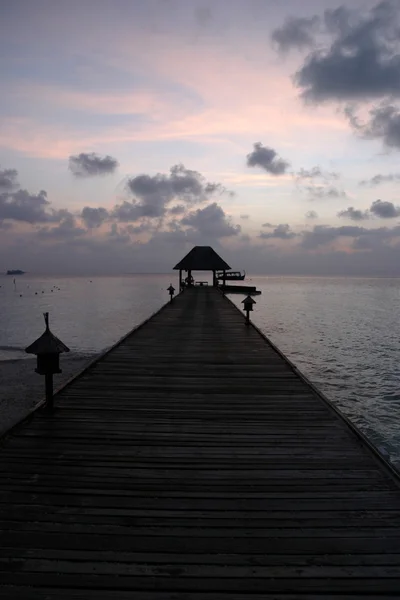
49,390
201,258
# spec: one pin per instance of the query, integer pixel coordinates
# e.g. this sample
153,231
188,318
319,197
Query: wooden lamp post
248,306
171,291
47,349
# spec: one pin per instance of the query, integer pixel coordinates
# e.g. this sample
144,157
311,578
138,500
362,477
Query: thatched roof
47,343
202,258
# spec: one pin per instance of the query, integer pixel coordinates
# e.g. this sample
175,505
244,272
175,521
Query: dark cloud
297,33
380,179
133,211
383,124
354,214
67,228
94,217
211,222
119,235
135,229
153,193
361,61
92,165
376,252
267,159
178,209
311,214
379,208
5,225
281,232
26,207
385,210
322,234
364,239
8,179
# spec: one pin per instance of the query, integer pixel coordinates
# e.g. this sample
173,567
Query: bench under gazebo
201,258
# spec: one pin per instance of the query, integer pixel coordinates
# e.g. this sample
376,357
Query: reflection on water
342,333
88,314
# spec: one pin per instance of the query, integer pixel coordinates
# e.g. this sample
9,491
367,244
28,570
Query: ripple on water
344,335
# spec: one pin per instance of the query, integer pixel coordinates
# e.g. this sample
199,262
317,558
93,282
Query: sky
132,130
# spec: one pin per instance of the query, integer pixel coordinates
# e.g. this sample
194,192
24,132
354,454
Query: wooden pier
192,462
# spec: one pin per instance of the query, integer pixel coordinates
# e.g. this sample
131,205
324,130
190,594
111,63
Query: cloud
320,192
154,193
295,33
267,225
311,214
361,60
5,225
92,165
8,179
245,217
94,217
183,184
67,228
136,229
267,159
379,208
133,211
385,210
119,235
380,179
281,232
354,214
316,173
383,123
25,207
322,234
178,209
309,173
211,221
318,184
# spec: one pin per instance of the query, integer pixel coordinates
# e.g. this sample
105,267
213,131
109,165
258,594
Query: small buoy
20,295
35,293
51,291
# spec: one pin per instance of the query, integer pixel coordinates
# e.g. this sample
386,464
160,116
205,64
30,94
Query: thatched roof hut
202,258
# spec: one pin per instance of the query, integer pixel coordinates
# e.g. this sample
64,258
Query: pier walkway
192,462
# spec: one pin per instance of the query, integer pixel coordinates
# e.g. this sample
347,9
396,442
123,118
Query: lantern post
248,306
171,291
47,349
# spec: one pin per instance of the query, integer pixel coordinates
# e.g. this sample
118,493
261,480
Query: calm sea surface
344,334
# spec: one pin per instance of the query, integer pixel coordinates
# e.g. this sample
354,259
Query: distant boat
231,275
15,272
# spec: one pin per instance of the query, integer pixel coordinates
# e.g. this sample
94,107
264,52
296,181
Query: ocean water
342,333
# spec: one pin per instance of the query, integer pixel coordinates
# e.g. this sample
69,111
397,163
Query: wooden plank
192,462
